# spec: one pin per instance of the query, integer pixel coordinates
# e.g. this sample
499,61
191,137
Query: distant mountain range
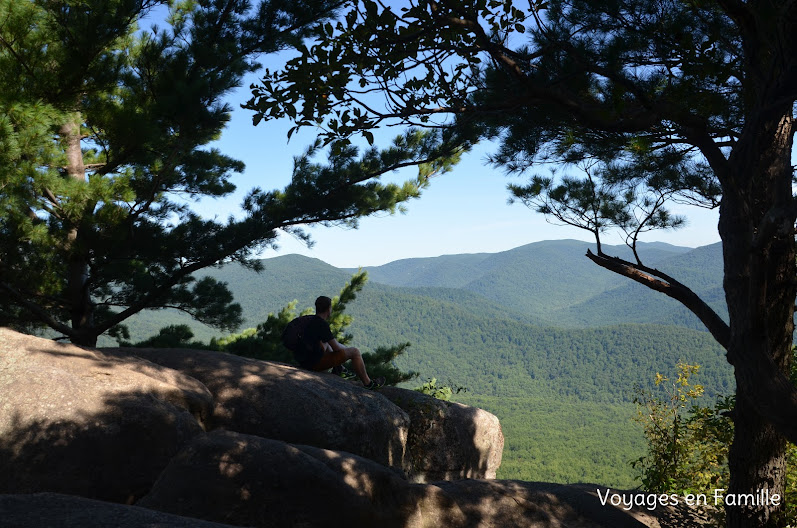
553,282
516,304
549,283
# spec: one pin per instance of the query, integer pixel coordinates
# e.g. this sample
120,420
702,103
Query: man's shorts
329,360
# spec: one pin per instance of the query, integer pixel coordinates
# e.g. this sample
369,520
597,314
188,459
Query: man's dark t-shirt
302,336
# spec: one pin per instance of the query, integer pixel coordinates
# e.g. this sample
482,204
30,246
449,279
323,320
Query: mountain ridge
547,283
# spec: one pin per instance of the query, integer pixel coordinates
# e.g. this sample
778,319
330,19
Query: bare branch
656,280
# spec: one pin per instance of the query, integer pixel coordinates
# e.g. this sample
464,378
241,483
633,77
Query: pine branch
38,311
661,282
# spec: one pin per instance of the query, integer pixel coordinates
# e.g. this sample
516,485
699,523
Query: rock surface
75,421
448,440
277,401
110,425
53,510
246,480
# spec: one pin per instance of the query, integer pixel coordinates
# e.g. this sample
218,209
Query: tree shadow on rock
275,400
543,505
114,454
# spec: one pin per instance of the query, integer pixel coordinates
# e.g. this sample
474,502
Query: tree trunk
757,462
757,230
81,308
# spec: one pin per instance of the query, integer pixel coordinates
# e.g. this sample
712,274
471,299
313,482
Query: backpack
293,334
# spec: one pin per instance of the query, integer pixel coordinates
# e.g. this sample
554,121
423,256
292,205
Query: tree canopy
646,104
105,135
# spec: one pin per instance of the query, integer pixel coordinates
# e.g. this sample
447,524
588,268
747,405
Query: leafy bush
441,392
688,443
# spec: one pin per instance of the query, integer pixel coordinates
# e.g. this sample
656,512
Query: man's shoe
376,383
347,374
343,372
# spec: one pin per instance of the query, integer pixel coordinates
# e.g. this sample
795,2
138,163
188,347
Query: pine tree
104,133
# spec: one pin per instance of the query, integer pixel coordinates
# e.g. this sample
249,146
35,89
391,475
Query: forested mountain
538,335
555,284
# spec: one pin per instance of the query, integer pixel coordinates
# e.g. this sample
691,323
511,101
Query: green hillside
553,283
447,271
546,283
534,334
700,269
500,357
540,278
457,271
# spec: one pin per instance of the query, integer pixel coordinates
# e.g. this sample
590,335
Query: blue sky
464,211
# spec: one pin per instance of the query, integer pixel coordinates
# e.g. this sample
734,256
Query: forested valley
526,334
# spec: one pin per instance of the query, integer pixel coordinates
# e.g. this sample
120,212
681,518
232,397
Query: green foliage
338,320
491,68
502,357
564,439
687,444
263,342
790,493
105,141
172,336
381,362
441,392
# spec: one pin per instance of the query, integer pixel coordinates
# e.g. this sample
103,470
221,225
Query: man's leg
330,359
358,364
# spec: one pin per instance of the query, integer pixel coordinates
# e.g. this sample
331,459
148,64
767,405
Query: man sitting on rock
315,348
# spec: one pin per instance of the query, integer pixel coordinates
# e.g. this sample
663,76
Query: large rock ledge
76,421
273,400
188,435
53,510
250,481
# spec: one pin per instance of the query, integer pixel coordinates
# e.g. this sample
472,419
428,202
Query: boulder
54,510
117,427
548,505
245,480
75,421
541,505
447,440
281,402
